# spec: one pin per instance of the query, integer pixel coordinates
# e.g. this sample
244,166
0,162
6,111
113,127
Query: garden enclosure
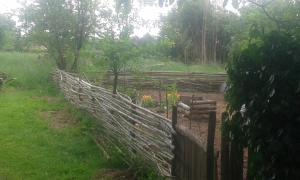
170,145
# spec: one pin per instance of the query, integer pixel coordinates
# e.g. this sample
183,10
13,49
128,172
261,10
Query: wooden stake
210,145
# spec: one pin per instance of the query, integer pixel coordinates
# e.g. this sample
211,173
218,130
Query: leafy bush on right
264,79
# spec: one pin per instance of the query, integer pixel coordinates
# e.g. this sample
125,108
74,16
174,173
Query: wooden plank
210,145
236,162
224,152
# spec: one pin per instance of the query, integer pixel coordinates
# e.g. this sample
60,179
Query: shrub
264,79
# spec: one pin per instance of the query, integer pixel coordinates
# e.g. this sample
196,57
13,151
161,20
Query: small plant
147,101
173,95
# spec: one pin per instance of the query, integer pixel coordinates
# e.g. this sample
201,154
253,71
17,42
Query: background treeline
195,32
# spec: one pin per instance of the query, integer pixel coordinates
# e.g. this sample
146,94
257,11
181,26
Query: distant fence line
143,132
188,82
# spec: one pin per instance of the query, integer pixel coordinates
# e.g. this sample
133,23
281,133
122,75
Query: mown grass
31,149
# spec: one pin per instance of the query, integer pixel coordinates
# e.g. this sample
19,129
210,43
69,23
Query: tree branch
263,8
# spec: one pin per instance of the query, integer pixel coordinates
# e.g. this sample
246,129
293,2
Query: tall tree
84,22
196,31
7,31
117,26
61,26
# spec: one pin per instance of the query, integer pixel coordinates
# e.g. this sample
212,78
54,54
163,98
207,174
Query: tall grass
31,71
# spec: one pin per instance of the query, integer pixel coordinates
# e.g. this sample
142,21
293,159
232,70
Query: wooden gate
194,155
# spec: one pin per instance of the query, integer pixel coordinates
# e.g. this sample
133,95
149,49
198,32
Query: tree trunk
62,65
115,83
75,63
204,55
215,47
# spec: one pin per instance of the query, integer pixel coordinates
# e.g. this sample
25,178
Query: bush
264,80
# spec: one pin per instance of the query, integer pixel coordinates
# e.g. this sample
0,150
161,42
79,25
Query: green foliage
30,71
173,96
116,19
198,32
60,26
264,80
7,32
118,53
259,17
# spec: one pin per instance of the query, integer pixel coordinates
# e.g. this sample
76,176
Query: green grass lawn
41,136
35,146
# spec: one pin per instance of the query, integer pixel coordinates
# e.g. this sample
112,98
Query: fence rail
188,82
143,132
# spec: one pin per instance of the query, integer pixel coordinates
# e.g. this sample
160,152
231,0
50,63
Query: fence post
210,145
174,142
79,90
167,103
236,161
159,94
224,151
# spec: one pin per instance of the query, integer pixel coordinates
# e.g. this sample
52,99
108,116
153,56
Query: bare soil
59,119
113,174
199,128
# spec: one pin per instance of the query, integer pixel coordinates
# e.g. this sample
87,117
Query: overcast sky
8,5
147,13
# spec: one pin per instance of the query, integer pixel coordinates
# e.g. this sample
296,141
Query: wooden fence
187,82
144,133
194,156
172,146
233,158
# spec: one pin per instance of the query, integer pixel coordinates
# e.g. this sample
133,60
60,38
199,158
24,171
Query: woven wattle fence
144,133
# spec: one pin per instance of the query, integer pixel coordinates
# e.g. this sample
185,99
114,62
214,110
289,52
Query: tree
49,23
264,81
84,22
115,19
199,31
61,26
7,32
117,53
253,21
116,27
